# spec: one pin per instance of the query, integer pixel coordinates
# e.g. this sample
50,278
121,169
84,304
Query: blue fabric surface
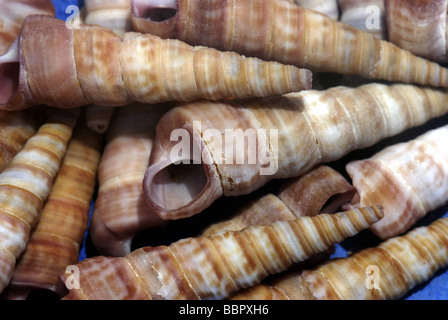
435,289
61,7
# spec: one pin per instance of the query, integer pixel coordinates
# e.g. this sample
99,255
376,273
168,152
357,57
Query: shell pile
214,149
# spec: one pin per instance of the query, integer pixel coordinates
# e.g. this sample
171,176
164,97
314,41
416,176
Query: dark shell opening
159,14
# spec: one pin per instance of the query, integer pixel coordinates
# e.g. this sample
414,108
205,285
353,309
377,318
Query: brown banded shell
219,265
25,184
101,68
299,130
388,271
408,179
54,243
284,32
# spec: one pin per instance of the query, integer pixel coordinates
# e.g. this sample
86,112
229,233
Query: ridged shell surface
217,266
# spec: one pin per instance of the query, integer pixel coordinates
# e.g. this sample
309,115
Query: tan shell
419,26
298,131
388,271
408,179
284,32
101,68
25,184
217,266
120,208
55,240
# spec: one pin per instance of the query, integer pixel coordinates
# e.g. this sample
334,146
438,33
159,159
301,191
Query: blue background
435,289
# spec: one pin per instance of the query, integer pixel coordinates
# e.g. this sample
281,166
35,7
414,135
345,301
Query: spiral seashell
388,271
408,179
93,65
55,240
214,267
287,33
25,184
288,136
322,190
120,209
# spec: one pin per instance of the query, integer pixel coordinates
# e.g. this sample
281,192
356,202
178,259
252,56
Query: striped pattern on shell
312,127
403,262
55,240
388,271
103,69
282,31
25,184
219,265
408,179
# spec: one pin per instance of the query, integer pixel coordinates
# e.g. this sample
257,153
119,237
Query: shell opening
159,14
337,201
9,73
184,183
9,81
177,185
155,10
